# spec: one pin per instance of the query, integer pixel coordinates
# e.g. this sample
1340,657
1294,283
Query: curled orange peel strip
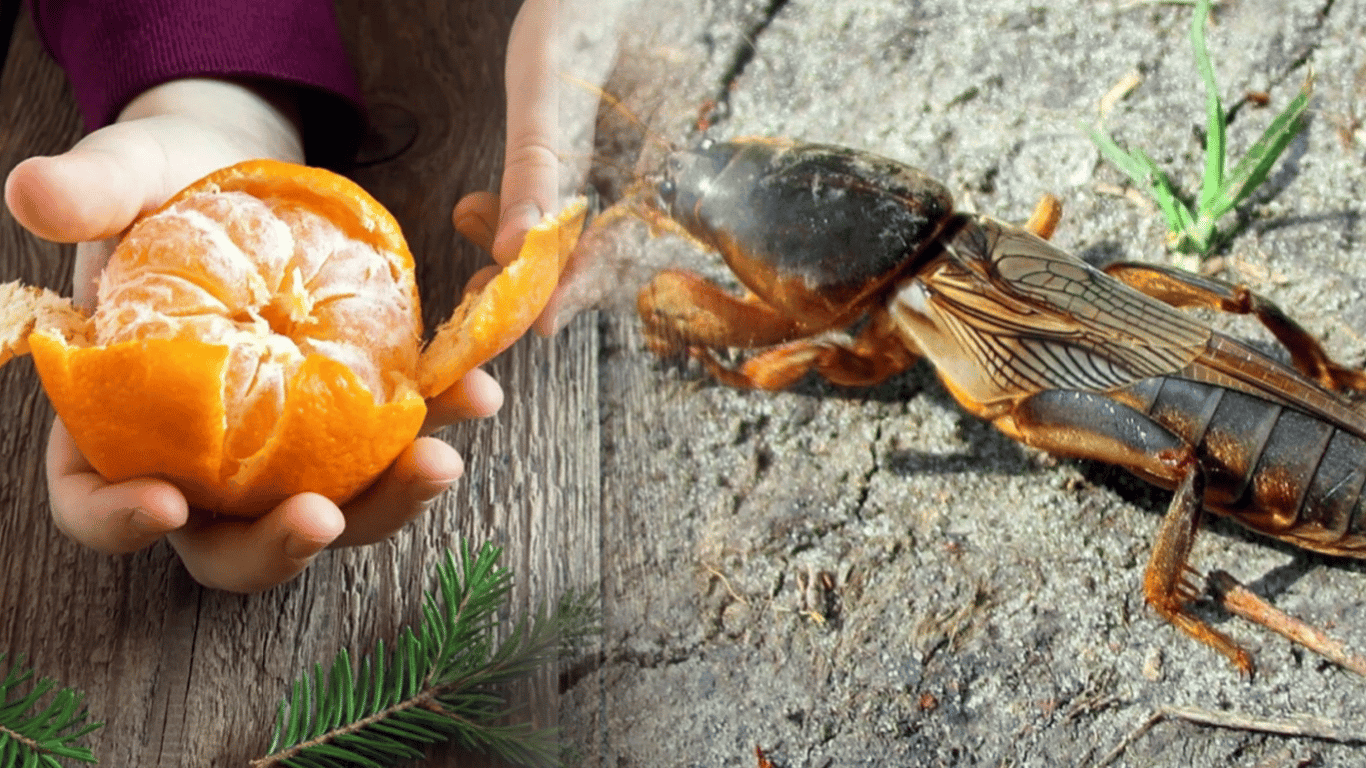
490,319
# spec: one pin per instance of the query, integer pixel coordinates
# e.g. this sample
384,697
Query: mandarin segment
358,448
24,308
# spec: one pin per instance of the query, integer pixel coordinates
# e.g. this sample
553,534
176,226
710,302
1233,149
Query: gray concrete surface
872,577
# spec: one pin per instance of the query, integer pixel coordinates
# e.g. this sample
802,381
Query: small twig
1301,726
725,582
1241,601
1118,91
1133,736
23,741
1093,698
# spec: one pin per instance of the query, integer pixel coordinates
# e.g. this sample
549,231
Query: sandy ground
873,577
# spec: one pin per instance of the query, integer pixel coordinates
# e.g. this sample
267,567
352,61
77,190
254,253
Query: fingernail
524,216
143,523
438,487
299,548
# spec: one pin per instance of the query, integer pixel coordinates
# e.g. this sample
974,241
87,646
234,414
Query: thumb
92,192
531,162
530,191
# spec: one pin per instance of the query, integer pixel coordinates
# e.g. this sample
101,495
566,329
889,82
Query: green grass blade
1253,169
1221,191
1215,144
1137,172
1146,175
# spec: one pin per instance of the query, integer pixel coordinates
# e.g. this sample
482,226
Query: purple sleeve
113,50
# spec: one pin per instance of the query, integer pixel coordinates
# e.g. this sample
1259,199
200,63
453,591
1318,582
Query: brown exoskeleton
1056,354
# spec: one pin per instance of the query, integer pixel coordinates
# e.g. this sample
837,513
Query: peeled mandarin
255,337
259,336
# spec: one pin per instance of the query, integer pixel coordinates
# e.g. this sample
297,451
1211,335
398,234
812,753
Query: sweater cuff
113,50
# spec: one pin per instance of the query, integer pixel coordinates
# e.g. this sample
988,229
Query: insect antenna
626,150
618,107
599,160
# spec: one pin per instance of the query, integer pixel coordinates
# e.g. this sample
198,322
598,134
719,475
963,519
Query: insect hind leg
1091,425
1047,213
1185,290
1166,585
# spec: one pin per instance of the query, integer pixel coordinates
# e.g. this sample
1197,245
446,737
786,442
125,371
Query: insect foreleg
1185,290
680,310
877,352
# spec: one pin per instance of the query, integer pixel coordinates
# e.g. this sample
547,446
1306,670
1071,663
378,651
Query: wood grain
187,676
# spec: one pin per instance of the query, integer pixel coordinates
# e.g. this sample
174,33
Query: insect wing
1037,318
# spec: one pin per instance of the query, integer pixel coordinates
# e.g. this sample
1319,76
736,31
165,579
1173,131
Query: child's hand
166,138
530,188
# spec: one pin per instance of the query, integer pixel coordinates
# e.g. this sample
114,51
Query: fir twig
436,684
1195,231
31,737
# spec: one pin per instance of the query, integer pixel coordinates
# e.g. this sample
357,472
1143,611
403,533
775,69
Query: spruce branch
437,681
31,737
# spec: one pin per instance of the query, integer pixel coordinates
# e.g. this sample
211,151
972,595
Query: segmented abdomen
1275,469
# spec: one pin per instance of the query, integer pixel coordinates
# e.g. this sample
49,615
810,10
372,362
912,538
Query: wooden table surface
185,676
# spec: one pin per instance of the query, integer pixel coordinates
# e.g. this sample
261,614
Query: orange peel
489,319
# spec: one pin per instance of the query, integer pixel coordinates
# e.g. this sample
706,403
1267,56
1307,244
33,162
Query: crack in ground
740,59
866,482
656,660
